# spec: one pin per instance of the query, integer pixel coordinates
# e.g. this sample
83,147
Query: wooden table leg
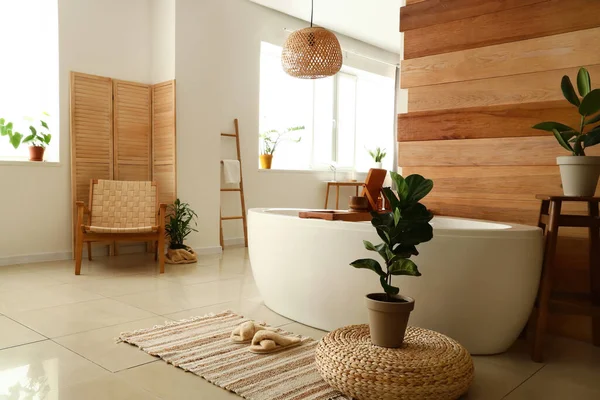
337,197
327,196
357,190
546,283
595,273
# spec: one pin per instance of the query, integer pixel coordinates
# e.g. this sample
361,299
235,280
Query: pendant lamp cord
312,8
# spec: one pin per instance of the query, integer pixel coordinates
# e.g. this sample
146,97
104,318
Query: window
343,115
29,71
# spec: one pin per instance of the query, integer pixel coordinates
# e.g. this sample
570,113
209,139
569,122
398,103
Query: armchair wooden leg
161,253
78,252
89,250
155,251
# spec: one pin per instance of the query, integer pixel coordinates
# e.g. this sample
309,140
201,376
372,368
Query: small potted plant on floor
579,172
271,139
378,155
181,220
401,229
38,140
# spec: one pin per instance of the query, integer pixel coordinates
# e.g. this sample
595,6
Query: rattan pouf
429,365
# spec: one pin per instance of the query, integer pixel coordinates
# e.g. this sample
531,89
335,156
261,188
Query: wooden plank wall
479,74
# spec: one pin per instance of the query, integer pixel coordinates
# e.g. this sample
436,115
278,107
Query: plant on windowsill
401,229
181,221
6,129
378,155
271,139
38,140
579,172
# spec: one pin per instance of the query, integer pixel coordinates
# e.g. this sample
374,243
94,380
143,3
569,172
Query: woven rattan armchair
121,211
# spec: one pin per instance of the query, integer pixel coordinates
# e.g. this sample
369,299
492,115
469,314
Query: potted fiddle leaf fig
579,172
402,229
38,140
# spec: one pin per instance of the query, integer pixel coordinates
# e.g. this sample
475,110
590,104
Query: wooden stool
550,220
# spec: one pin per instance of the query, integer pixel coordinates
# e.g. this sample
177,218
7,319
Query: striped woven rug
202,346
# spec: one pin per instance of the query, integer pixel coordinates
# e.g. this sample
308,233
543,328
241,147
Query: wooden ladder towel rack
240,189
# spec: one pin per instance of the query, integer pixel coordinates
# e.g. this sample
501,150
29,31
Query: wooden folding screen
132,131
164,168
119,132
479,74
91,133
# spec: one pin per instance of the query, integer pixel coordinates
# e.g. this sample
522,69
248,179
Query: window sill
27,163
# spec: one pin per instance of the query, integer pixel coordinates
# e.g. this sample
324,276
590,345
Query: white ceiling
372,21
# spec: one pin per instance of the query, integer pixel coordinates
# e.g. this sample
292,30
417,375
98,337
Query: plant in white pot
579,172
377,155
401,229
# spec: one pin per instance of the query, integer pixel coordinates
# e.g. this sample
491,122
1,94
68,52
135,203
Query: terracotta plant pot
36,153
579,174
265,161
388,319
358,203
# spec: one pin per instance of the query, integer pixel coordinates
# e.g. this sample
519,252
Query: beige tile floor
57,333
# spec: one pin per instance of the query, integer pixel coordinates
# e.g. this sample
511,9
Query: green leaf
584,82
3,130
562,141
404,267
397,216
9,126
569,91
401,186
418,188
367,263
550,126
47,138
32,129
2,121
592,138
15,139
44,124
590,104
593,120
29,138
369,246
388,288
391,197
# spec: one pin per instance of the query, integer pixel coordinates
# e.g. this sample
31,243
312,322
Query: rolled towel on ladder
231,171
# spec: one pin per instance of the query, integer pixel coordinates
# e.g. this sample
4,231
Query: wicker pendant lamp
312,53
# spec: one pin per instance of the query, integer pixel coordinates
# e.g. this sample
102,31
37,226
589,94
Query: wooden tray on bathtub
350,216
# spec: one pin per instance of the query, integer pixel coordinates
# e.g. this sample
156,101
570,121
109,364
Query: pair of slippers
262,339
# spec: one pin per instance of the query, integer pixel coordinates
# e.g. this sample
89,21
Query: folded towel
231,170
265,342
245,332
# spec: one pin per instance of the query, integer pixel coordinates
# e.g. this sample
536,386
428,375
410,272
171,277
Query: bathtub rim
512,230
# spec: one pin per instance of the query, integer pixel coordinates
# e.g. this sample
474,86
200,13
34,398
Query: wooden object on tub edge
550,220
371,190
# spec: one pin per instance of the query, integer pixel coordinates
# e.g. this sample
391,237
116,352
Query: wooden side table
337,191
550,220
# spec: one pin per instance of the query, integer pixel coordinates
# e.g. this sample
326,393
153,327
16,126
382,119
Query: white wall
103,37
217,70
162,23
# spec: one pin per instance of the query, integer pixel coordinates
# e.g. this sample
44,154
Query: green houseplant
270,140
579,172
377,155
401,230
181,221
6,129
38,140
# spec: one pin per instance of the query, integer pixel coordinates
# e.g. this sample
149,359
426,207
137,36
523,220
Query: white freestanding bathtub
478,285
